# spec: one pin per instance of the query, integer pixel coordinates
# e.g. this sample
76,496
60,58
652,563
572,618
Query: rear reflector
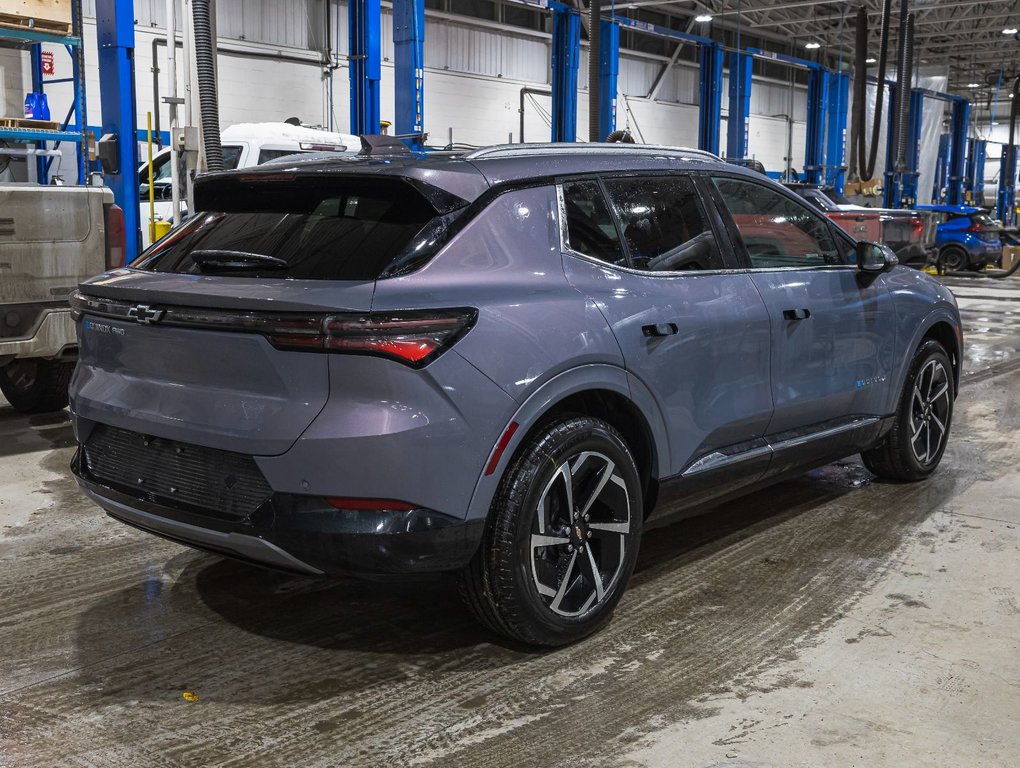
115,236
504,441
378,505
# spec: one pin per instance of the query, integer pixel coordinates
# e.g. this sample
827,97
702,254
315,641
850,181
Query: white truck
244,145
51,239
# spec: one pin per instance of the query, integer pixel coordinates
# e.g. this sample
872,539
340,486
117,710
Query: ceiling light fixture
703,18
973,85
1010,31
870,60
812,46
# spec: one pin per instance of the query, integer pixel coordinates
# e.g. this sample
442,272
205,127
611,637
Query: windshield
351,229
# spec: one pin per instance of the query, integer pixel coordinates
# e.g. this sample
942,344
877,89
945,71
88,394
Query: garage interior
831,619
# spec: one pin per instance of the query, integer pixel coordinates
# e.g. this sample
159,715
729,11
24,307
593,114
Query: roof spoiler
378,144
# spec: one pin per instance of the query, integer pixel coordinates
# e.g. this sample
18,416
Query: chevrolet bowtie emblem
145,314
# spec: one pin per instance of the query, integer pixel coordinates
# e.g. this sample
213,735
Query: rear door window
346,229
590,226
664,224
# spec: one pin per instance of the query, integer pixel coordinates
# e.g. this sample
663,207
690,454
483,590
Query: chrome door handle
796,314
659,329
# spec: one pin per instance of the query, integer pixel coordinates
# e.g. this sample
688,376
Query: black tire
36,386
954,259
546,594
924,414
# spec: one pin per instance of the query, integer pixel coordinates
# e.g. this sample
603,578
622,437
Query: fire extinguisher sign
47,63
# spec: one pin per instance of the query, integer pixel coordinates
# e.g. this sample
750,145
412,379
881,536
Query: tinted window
777,231
231,156
664,224
590,227
345,230
819,199
265,155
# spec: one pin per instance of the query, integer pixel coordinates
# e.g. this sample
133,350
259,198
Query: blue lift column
710,102
609,69
365,51
740,105
566,54
960,116
1006,202
835,136
973,185
115,31
814,146
409,70
940,187
908,182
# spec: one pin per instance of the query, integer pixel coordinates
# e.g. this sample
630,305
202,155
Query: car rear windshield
982,220
321,229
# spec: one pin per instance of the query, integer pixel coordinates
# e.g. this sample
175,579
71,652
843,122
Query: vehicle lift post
365,52
940,185
737,123
409,71
817,103
974,181
960,117
115,32
609,70
566,55
710,103
835,137
1006,200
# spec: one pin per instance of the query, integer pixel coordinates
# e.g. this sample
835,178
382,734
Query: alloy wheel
580,534
930,406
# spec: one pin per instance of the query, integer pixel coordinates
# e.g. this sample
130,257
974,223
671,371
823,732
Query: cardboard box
1010,256
50,15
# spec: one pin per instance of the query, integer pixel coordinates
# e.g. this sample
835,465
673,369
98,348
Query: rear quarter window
340,229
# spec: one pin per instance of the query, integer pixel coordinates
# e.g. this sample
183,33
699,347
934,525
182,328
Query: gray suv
506,364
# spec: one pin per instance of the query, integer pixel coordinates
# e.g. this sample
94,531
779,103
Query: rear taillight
414,338
116,237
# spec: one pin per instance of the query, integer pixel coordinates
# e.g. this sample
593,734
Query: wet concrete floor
832,620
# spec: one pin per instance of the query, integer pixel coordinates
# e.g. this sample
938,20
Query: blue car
967,237
508,364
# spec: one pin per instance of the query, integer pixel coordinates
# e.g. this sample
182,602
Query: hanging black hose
1009,169
860,89
205,66
867,169
594,46
904,67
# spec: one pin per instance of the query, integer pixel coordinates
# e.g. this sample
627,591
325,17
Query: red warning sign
47,63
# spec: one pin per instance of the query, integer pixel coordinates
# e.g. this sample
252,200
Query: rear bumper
304,535
53,336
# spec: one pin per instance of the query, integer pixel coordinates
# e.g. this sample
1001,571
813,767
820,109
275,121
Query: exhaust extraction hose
594,52
904,79
860,89
205,65
867,168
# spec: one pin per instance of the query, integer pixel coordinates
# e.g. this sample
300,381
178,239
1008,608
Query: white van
244,145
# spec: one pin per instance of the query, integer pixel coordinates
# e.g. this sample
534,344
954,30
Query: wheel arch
940,325
605,391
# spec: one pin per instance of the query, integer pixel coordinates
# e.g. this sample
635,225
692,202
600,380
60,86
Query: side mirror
874,257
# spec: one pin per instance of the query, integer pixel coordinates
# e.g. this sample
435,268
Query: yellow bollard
161,229
152,186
